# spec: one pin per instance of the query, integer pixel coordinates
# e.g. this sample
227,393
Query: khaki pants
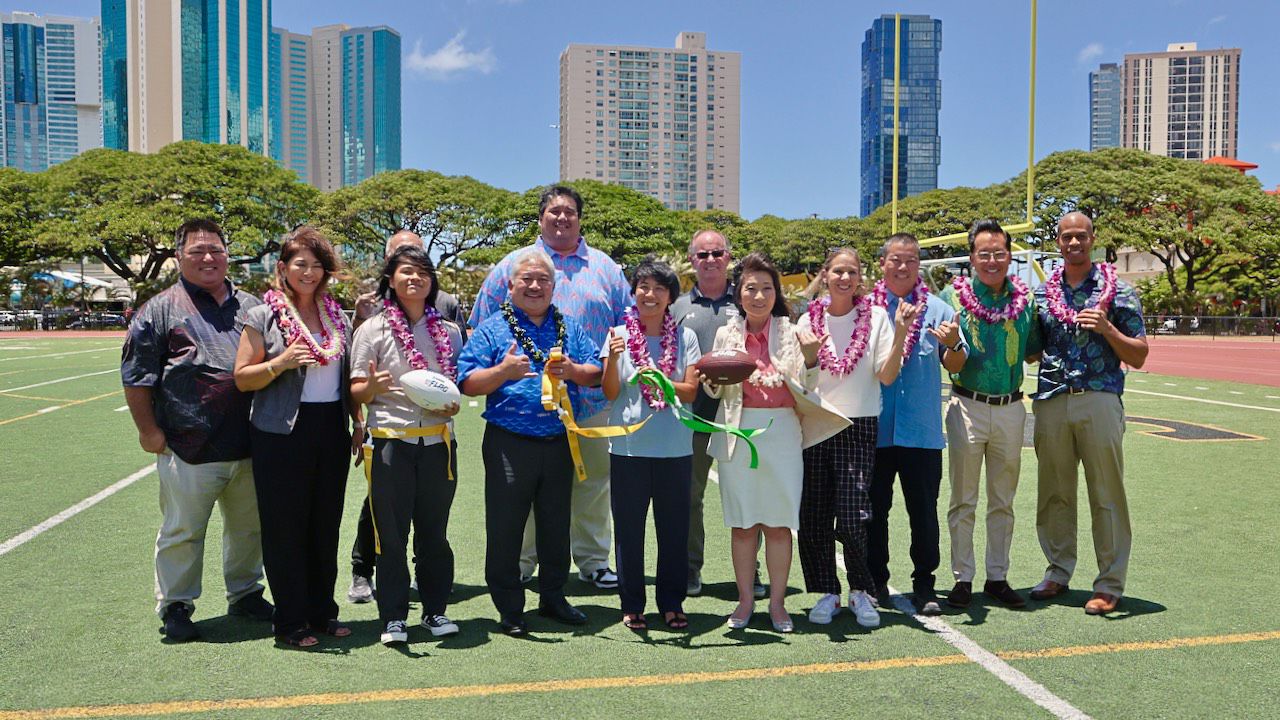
1083,429
589,520
187,495
978,432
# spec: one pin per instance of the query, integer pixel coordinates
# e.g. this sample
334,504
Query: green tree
22,206
123,207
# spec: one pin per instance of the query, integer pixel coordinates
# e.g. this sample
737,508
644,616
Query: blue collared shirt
590,288
911,408
517,404
1082,359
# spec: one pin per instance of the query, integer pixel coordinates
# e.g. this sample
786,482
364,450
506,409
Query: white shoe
863,609
439,625
828,605
603,578
361,590
396,633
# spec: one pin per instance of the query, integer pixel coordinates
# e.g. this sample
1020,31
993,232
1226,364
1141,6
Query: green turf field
1195,636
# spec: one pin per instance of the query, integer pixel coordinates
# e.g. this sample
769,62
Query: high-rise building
292,113
663,121
356,99
51,80
920,99
189,70
1183,102
1106,103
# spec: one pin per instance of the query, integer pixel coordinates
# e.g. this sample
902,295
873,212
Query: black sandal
634,622
333,628
301,639
676,620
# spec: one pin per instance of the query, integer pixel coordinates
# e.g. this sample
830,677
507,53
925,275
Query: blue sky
481,79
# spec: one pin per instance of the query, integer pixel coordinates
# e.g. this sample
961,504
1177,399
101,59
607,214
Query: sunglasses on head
704,254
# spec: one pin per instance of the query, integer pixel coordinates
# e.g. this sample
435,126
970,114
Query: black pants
411,485
920,471
363,554
633,483
523,473
836,505
301,481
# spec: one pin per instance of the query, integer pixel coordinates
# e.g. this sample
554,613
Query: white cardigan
818,419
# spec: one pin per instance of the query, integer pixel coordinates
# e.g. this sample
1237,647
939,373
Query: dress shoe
252,606
514,627
1000,590
1047,589
960,595
177,623
926,602
560,610
1101,603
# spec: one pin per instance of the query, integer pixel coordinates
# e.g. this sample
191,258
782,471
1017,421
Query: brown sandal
333,628
302,639
634,622
676,620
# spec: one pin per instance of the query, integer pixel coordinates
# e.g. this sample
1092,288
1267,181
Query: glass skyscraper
920,99
370,102
290,102
1106,103
52,94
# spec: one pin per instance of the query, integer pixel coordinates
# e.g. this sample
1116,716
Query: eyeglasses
704,254
997,255
199,252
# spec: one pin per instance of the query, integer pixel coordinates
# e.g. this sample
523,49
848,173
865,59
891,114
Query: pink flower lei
332,340
404,338
638,347
858,340
919,294
1017,303
1102,297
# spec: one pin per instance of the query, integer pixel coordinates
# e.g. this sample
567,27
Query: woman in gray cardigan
295,357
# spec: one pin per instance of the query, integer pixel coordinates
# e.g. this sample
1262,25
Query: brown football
727,366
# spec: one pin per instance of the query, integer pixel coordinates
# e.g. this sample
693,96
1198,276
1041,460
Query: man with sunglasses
705,309
176,369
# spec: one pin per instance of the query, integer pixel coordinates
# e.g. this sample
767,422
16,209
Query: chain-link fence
1213,326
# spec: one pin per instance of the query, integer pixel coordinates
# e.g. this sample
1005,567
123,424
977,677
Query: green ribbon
656,380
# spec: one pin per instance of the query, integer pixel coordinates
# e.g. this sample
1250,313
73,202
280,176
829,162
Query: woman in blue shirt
655,463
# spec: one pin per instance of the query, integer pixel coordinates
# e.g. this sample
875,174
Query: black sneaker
882,597
926,602
177,623
439,625
252,606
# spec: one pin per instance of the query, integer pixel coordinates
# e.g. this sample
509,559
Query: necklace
293,328
638,347
1012,309
521,337
1101,297
857,346
920,293
399,325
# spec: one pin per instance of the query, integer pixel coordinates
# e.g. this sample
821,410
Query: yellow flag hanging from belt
555,396
397,434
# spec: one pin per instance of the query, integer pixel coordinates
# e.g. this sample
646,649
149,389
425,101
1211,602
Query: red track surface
1255,361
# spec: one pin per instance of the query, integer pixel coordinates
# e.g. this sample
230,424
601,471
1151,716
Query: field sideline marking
65,379
58,407
52,355
453,692
33,532
1206,400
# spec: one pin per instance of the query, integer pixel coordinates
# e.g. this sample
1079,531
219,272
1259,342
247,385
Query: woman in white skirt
766,499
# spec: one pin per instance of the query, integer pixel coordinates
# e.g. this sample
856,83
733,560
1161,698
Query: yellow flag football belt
555,396
400,434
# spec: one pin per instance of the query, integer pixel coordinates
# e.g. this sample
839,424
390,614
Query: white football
431,390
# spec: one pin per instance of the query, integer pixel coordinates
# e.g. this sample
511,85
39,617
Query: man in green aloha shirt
985,416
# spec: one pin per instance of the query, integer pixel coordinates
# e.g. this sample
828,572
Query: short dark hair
896,238
411,255
988,225
196,225
658,271
305,237
759,262
554,191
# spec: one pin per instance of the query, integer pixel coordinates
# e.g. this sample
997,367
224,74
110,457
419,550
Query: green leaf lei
526,343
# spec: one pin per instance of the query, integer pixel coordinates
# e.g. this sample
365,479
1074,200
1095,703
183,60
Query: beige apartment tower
663,121
1183,102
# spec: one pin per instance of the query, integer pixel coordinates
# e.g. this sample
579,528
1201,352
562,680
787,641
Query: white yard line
30,534
1205,400
48,409
50,355
122,408
59,380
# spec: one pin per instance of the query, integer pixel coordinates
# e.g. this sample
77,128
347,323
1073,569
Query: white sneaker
863,609
395,633
828,605
361,590
603,578
439,625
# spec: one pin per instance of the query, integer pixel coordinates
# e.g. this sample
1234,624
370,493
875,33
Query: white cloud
1275,146
1217,19
451,58
1089,52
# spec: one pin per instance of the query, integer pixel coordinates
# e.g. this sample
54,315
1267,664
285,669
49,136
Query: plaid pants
836,504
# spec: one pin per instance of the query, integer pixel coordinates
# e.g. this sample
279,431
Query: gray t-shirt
704,316
664,435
